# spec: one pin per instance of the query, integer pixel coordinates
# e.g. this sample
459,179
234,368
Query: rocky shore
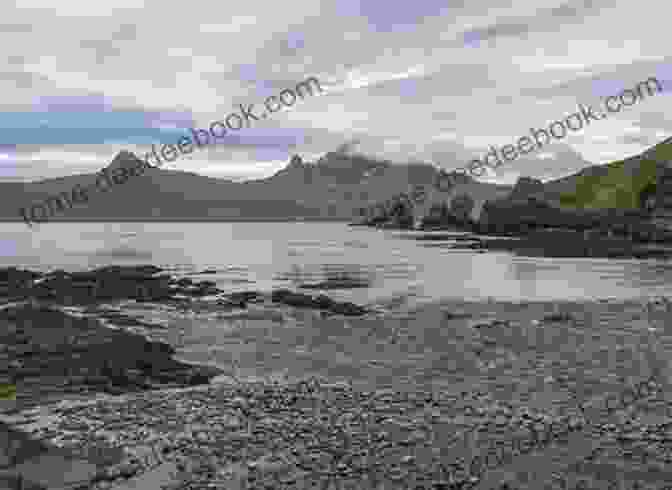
310,434
148,283
568,244
117,409
537,215
51,355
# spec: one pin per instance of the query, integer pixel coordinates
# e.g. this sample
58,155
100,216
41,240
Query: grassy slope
619,184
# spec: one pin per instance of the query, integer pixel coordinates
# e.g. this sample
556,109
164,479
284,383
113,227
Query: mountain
614,185
609,196
333,188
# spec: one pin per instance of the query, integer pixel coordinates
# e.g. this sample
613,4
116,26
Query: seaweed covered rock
321,302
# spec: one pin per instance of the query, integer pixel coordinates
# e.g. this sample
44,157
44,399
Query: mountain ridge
335,187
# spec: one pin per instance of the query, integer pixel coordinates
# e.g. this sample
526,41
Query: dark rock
104,284
558,317
15,275
337,284
16,282
348,309
130,271
568,243
82,276
203,288
158,348
112,361
278,295
449,315
198,379
290,298
297,299
96,380
244,296
324,302
520,217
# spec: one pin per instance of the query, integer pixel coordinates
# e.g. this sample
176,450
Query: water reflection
393,265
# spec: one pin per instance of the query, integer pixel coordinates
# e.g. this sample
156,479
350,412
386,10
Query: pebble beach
477,376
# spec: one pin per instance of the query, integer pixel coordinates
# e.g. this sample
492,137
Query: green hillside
621,186
7,392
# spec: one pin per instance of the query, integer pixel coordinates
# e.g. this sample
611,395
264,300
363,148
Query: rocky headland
617,210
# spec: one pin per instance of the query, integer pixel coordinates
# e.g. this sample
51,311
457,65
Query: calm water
267,255
402,272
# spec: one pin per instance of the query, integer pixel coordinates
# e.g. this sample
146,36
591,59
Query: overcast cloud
429,80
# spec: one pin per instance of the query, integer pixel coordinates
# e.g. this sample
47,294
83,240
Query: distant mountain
333,188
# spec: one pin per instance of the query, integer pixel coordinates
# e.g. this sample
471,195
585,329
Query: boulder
130,271
297,299
278,295
348,309
324,302
320,302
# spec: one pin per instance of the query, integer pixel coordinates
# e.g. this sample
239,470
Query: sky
435,81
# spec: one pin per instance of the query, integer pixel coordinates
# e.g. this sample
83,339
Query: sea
401,273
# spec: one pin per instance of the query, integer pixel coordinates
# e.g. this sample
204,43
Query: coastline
212,431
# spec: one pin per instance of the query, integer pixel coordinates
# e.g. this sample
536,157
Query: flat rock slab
55,471
164,475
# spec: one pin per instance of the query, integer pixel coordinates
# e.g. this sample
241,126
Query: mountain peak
296,162
124,159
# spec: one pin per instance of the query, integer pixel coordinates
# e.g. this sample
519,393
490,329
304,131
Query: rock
337,284
245,296
448,315
348,309
155,347
324,302
290,298
13,275
127,470
129,271
492,324
199,379
278,295
203,288
558,317
293,299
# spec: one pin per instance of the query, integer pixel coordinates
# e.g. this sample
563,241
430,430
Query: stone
348,309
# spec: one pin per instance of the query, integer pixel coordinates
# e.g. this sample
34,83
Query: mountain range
335,187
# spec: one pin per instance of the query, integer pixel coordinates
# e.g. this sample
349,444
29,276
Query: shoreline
204,431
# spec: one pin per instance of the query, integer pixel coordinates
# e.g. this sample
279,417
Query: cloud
425,80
